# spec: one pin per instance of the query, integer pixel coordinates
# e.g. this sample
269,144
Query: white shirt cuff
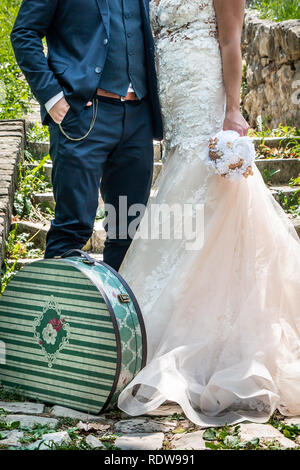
50,103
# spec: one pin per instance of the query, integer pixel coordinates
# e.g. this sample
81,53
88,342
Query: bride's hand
234,121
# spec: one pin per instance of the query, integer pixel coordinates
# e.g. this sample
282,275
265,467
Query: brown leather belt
131,96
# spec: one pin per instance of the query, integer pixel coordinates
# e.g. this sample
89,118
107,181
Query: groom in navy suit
98,94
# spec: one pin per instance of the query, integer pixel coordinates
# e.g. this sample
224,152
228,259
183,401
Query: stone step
45,200
36,230
287,168
48,170
95,244
40,149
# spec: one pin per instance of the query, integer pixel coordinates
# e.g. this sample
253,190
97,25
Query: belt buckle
123,98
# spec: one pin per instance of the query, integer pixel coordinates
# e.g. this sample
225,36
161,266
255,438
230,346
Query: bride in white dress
223,321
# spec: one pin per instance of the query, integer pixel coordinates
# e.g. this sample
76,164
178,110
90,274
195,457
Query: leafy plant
177,417
265,152
33,180
268,175
278,10
290,202
291,431
7,273
15,94
294,147
227,438
36,433
19,246
295,181
11,395
38,133
4,426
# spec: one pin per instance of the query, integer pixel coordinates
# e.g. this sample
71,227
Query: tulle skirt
223,319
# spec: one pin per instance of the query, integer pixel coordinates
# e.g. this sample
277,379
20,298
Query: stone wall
12,137
272,54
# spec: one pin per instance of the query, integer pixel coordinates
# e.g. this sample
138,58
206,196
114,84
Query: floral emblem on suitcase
51,330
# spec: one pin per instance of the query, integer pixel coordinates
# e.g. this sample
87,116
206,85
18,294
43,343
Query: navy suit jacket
77,33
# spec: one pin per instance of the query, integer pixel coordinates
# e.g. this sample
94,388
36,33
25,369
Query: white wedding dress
223,321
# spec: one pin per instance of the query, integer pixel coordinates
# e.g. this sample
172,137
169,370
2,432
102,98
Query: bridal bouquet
230,155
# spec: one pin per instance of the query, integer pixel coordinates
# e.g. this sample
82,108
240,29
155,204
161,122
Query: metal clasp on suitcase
124,298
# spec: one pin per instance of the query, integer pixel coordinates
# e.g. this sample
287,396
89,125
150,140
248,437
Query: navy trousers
116,157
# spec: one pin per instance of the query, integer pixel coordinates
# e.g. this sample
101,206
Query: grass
278,10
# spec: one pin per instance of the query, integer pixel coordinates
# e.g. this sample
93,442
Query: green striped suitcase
73,332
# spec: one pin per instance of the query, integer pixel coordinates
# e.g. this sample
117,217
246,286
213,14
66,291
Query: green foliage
20,245
268,175
264,131
17,246
177,417
278,10
15,93
35,433
38,133
295,181
295,148
7,273
9,426
291,431
228,438
291,202
33,180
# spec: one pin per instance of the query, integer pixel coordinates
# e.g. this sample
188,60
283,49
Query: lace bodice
189,70
175,14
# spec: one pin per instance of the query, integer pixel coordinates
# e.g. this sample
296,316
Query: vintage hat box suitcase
73,331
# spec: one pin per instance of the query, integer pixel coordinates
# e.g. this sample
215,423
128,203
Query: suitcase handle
83,254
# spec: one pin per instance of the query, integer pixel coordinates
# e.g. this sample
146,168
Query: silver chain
95,111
